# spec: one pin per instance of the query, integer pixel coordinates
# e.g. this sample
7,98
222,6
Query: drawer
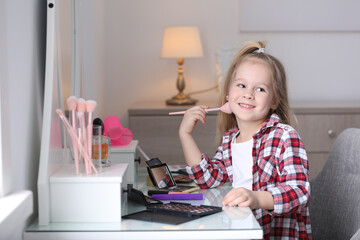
319,131
158,136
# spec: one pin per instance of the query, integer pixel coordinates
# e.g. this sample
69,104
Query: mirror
79,23
162,176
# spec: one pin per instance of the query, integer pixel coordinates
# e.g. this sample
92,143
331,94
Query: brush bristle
58,111
226,108
90,105
81,105
72,103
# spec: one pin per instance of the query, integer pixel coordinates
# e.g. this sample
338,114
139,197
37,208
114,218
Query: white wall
23,52
320,65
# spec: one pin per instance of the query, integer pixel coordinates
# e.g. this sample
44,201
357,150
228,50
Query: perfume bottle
100,148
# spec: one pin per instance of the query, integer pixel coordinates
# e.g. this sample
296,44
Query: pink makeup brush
72,104
90,108
81,108
224,108
75,139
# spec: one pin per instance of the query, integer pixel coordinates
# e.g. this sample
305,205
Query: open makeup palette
170,213
162,178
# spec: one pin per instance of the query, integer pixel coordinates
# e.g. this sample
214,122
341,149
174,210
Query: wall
23,54
320,65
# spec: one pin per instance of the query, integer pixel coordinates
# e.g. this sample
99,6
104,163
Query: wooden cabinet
157,132
318,125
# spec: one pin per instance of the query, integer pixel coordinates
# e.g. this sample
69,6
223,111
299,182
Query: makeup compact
162,178
170,213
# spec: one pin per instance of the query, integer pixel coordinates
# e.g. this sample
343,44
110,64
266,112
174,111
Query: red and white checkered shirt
280,167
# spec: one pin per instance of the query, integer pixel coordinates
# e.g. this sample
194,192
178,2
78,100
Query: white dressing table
231,223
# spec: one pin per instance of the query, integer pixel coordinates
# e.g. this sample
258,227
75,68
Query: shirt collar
271,121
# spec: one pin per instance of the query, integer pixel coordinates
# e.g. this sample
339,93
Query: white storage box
88,198
127,154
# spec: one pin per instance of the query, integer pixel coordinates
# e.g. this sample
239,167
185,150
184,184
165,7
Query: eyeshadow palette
150,216
171,213
186,209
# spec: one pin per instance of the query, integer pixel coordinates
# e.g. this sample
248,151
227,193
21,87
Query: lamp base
181,99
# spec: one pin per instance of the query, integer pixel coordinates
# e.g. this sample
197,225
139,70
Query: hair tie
260,50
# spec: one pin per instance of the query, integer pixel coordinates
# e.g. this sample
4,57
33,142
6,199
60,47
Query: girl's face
250,94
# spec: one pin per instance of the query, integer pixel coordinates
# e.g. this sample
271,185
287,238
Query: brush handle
89,134
206,110
81,116
75,149
212,110
76,158
73,119
74,138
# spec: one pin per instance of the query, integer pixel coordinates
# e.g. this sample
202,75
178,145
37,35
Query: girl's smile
246,106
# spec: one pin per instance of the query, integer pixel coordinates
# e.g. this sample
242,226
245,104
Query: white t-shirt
242,162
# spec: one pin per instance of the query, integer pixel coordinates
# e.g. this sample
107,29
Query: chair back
335,192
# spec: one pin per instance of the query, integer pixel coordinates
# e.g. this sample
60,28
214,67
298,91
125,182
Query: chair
335,192
356,236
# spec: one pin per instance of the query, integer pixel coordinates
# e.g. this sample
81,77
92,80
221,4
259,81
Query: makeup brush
224,108
72,104
90,108
81,108
75,139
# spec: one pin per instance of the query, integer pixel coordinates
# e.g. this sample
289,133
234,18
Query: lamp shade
181,42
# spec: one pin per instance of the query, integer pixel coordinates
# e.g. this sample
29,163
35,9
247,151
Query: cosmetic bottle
100,148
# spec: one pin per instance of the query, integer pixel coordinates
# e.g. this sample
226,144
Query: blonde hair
279,86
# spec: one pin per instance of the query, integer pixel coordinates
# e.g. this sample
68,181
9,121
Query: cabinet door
158,136
319,131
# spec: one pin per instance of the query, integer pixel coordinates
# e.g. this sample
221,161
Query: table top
231,223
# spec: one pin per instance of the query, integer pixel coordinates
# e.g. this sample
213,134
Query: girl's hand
190,119
241,197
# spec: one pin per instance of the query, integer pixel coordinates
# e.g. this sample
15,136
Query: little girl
258,152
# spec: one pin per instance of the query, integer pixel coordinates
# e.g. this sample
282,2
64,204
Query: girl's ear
275,104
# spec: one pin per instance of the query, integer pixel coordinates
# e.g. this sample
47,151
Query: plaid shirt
280,167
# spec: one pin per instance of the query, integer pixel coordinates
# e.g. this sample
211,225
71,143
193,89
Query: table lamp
180,43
